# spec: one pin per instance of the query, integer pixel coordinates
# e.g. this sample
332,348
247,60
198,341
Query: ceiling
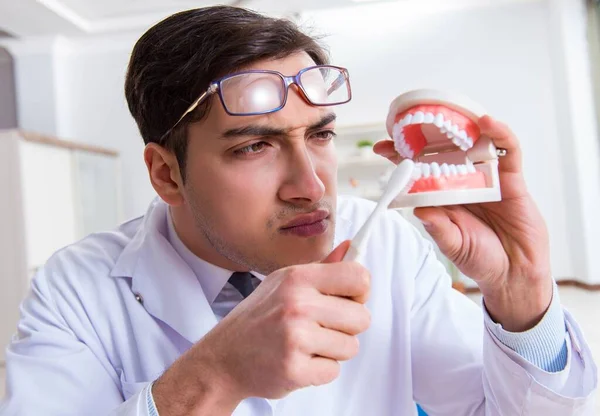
43,17
25,18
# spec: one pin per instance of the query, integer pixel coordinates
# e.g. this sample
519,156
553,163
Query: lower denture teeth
471,168
435,170
445,169
426,169
462,169
453,170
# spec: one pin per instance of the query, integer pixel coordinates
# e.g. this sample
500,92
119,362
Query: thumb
442,229
338,253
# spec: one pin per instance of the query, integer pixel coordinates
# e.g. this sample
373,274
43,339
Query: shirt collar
212,278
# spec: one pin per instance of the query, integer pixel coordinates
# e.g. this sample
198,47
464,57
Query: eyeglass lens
259,92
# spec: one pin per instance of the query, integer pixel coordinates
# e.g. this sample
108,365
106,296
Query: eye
325,135
251,149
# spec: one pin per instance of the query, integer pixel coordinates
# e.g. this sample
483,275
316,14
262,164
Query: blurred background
71,156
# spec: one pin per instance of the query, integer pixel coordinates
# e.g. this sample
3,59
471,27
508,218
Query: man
165,315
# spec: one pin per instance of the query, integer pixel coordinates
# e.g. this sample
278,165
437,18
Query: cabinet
52,193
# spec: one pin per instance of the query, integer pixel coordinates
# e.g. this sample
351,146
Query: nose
302,184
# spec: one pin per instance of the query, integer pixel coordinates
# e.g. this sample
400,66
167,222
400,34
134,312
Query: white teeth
453,170
406,120
471,168
457,141
469,142
435,170
396,131
428,118
426,169
462,169
418,118
448,125
454,129
443,130
439,120
463,135
445,169
450,135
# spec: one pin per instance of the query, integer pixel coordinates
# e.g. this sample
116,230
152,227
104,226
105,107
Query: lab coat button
139,298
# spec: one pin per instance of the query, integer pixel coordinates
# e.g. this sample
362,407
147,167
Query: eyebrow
257,130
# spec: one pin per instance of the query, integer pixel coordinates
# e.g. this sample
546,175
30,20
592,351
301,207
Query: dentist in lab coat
229,297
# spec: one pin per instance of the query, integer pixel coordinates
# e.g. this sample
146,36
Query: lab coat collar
167,285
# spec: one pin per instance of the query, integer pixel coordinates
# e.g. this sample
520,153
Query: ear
164,173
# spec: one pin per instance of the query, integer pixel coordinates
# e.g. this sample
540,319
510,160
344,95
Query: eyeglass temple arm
196,103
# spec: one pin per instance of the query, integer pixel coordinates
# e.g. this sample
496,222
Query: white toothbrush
400,181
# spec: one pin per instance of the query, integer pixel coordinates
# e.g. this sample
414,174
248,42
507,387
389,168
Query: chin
299,250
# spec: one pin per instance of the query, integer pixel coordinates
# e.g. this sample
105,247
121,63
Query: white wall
504,56
500,56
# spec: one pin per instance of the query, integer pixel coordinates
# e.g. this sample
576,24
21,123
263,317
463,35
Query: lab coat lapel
168,287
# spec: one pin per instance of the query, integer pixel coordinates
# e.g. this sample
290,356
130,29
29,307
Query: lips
307,219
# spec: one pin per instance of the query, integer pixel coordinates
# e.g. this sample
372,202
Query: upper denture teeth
406,120
418,118
463,135
454,129
429,117
448,125
457,141
435,170
396,131
439,120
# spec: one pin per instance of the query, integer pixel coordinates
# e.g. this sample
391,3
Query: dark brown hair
175,61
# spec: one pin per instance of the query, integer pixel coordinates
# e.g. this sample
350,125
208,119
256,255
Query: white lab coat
109,314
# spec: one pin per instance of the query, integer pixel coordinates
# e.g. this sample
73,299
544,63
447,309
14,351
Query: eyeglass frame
215,86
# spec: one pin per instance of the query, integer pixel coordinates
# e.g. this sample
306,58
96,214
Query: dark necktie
242,281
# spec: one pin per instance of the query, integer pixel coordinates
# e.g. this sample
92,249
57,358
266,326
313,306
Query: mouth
439,132
308,225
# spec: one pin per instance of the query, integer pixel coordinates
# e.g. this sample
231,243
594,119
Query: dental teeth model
454,163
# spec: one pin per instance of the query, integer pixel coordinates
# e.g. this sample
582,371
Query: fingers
386,149
322,371
341,314
338,253
332,344
442,229
347,279
504,138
